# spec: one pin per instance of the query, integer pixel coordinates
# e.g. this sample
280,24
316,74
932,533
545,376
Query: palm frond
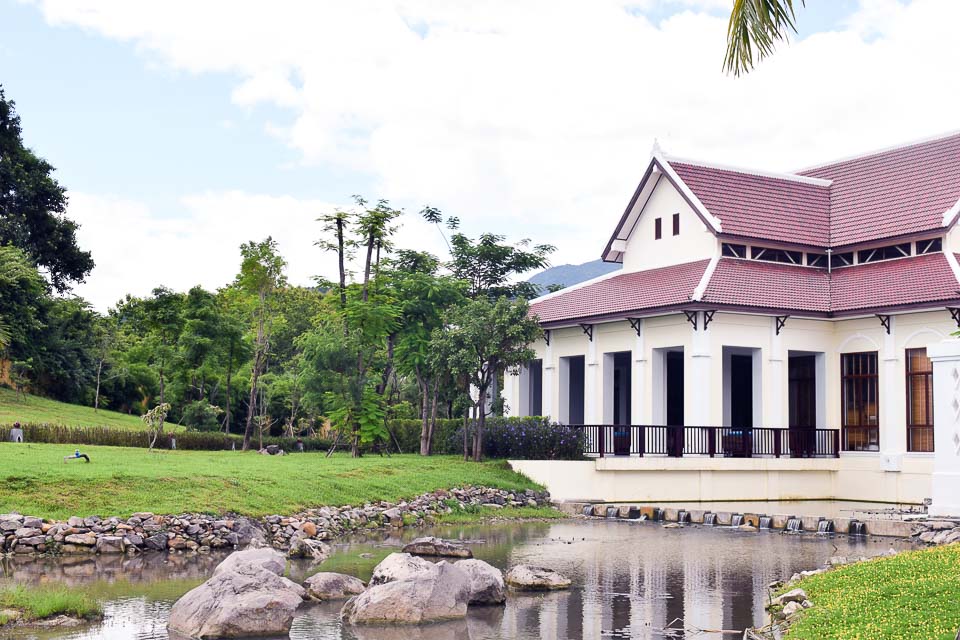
755,28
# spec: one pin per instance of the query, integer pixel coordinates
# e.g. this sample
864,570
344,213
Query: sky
182,129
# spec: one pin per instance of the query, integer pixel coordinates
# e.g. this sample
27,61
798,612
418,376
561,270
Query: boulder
327,585
441,594
486,582
400,566
261,558
791,608
431,546
246,597
525,577
315,550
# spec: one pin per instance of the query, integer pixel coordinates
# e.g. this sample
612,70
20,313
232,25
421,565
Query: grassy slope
911,596
37,409
119,481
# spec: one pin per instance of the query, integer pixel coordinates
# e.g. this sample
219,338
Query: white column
638,408
893,436
773,386
945,489
515,392
697,393
591,412
549,393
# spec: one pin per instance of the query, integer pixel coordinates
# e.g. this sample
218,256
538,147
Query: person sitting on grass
76,456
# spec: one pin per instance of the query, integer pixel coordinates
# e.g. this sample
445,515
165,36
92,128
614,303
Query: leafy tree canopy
32,206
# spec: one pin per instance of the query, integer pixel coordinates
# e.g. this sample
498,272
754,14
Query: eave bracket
546,336
955,314
692,318
707,319
781,323
884,321
588,330
637,325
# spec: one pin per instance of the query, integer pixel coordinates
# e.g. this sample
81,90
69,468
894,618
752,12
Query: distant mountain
568,274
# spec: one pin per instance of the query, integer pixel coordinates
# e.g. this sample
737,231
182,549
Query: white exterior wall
890,474
695,241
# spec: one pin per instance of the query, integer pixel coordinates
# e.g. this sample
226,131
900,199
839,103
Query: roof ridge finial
656,147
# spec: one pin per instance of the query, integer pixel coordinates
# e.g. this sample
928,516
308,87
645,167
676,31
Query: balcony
726,442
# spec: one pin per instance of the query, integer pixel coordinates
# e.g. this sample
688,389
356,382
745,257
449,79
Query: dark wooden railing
731,442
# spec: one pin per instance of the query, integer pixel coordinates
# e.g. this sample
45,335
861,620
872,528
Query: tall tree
481,340
32,206
489,265
261,275
424,295
755,28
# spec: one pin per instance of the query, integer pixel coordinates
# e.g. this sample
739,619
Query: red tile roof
750,283
758,206
623,293
893,283
761,286
873,197
904,190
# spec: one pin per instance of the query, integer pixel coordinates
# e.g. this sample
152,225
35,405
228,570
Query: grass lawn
38,602
37,409
119,481
911,596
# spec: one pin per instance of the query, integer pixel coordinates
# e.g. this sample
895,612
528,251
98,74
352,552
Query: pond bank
45,606
911,595
28,535
630,580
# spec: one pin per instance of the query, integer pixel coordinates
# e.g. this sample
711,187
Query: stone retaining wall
21,534
926,530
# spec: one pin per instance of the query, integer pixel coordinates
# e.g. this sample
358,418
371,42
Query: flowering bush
530,438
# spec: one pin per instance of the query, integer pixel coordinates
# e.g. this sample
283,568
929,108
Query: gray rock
441,594
245,597
794,595
32,522
327,585
262,558
315,550
27,532
791,608
10,525
32,541
134,539
525,577
82,539
486,582
430,546
400,566
110,544
157,542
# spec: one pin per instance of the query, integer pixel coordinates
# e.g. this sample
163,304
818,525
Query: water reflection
632,580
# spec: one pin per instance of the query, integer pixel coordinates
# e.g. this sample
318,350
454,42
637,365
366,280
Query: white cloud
536,117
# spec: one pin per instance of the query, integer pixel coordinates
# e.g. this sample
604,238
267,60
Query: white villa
766,338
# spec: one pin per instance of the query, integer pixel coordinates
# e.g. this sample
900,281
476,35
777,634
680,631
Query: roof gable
658,170
909,190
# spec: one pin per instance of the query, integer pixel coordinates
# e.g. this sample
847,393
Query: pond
631,580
